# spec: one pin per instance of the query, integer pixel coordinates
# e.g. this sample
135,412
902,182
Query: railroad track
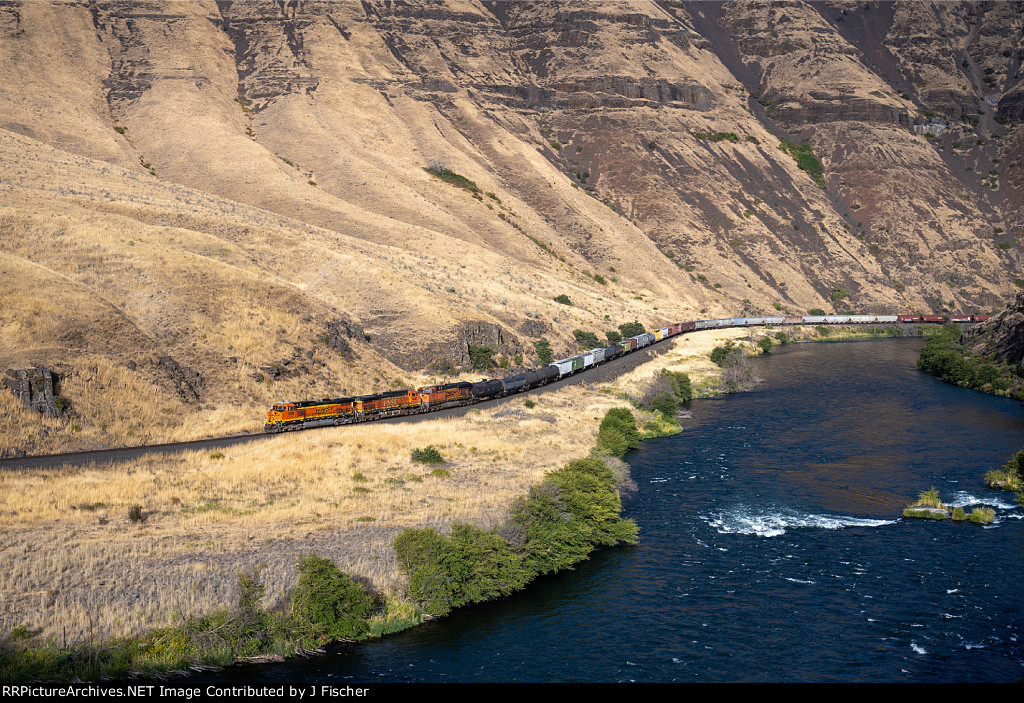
600,373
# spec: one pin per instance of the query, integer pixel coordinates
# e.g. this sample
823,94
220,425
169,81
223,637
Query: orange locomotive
342,411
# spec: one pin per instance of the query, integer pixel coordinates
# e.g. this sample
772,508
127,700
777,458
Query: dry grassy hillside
207,206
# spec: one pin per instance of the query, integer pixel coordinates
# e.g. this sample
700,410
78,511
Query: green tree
328,603
482,357
680,383
617,433
666,404
586,340
722,352
470,566
631,329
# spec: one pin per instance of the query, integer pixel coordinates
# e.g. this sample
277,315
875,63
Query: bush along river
771,549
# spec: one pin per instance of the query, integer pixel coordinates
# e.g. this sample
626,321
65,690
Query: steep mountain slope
1002,338
184,180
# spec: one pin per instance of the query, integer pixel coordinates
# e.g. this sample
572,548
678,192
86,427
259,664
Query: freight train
343,411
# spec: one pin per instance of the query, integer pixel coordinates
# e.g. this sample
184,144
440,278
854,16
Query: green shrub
563,299
469,566
838,293
482,357
617,433
815,311
544,353
452,178
586,340
927,513
722,352
529,404
945,356
929,499
1010,477
427,455
680,383
717,136
805,160
982,516
666,404
766,344
958,514
135,513
1014,468
563,518
613,336
631,329
328,604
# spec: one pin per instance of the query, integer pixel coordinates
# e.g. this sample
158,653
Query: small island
1010,477
929,507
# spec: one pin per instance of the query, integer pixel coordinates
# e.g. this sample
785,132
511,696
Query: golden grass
341,492
101,266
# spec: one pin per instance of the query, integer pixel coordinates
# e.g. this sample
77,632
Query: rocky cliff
1003,336
216,181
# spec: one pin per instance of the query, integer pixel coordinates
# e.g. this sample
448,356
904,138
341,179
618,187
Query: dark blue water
772,549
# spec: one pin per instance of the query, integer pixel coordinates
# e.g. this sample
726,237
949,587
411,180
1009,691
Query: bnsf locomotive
343,411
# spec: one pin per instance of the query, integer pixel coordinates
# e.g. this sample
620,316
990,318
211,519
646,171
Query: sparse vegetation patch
805,159
449,176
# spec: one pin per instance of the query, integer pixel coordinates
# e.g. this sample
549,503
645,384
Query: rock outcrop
39,390
1003,335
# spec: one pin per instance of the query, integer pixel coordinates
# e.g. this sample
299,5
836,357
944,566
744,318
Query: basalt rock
454,351
300,363
1003,335
39,390
533,328
338,334
187,381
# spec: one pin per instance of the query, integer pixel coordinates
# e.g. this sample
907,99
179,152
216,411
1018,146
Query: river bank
83,569
771,549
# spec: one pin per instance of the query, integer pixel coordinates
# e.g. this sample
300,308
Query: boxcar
569,366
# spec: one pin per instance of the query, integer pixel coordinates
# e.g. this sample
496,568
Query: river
772,549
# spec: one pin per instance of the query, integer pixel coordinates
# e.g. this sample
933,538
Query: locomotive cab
279,415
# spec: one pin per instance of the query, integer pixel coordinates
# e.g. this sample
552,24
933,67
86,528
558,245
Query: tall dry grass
340,492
